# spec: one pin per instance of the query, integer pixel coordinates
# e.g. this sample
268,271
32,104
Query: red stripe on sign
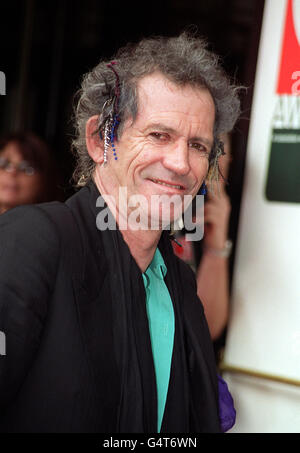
290,54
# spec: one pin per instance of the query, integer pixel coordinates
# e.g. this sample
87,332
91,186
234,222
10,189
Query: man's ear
94,143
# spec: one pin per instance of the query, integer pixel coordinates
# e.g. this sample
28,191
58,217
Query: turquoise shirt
161,325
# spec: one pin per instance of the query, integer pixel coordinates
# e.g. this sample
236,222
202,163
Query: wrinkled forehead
185,106
156,89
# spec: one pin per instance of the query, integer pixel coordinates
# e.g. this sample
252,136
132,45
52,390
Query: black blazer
58,328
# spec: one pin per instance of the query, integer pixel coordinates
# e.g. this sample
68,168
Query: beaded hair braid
109,118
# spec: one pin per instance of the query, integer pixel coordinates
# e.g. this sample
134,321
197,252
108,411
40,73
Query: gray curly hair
184,60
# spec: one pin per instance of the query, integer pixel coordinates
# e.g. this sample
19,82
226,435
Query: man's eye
159,136
199,147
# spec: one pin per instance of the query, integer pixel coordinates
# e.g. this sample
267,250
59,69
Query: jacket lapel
92,294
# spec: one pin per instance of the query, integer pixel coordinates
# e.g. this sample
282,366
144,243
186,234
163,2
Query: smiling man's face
165,150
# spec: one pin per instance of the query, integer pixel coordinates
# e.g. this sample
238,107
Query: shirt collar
157,266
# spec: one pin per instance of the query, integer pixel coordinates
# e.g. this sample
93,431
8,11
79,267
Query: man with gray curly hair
104,329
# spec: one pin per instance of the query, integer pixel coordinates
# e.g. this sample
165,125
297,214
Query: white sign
264,329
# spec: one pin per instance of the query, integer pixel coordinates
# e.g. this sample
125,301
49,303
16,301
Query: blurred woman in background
27,171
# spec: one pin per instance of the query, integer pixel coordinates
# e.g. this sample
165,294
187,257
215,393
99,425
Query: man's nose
176,158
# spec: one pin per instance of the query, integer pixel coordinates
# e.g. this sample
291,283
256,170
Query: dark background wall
45,47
